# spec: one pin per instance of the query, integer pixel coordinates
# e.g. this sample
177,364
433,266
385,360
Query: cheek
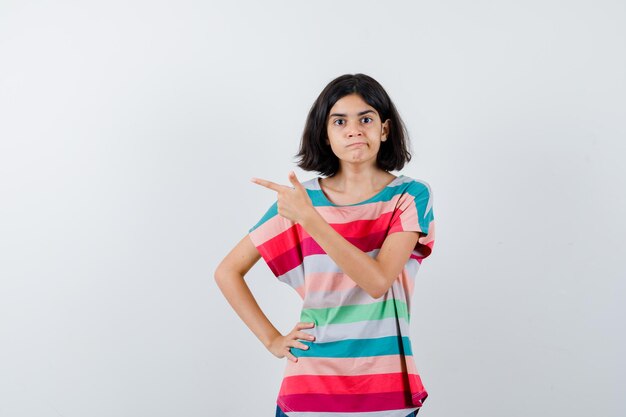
331,135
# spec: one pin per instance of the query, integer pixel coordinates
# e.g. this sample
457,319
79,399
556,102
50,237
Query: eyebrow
358,114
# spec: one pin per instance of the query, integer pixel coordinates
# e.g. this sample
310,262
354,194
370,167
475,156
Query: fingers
294,180
268,184
277,187
295,334
290,356
305,336
298,345
294,344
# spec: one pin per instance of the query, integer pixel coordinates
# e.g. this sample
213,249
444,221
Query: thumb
294,180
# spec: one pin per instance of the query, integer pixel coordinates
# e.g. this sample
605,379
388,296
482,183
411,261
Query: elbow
381,289
376,295
225,273
219,273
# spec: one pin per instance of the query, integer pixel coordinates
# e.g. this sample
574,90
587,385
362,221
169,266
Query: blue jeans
280,413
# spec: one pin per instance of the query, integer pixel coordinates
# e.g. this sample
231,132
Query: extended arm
374,275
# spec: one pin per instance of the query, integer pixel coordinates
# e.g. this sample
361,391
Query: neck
360,179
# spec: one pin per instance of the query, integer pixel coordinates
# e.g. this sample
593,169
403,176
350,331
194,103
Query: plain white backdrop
129,131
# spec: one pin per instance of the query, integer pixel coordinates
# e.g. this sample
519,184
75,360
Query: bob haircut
316,155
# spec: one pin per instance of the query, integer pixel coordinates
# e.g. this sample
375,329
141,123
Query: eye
337,120
369,118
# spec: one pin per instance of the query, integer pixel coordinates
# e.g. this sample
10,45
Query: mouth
356,144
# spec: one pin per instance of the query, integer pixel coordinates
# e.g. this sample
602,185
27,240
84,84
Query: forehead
352,104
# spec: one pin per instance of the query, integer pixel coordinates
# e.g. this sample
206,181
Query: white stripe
360,330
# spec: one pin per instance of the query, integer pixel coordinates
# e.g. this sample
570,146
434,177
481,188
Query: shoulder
413,186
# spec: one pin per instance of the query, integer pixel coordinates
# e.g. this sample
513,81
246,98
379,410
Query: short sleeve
414,212
278,241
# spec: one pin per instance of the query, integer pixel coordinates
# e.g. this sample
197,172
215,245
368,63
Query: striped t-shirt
361,361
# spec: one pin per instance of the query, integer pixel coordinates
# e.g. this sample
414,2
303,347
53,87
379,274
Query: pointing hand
294,202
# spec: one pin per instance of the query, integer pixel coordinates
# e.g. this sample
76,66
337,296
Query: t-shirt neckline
372,198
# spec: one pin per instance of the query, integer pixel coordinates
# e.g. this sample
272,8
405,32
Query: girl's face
355,130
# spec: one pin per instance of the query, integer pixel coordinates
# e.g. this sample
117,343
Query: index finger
268,184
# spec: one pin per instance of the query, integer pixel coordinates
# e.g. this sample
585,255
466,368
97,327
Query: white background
129,131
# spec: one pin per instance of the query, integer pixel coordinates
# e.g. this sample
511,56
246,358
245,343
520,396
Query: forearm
359,266
239,296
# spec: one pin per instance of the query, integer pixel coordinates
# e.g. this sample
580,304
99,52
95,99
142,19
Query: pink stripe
357,229
271,228
356,403
351,366
282,263
366,243
278,235
338,281
332,215
283,241
341,385
407,282
425,243
430,237
286,251
370,211
328,281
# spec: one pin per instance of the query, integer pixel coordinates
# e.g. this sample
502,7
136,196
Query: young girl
350,244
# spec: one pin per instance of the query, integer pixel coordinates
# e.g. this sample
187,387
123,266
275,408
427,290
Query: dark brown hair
315,155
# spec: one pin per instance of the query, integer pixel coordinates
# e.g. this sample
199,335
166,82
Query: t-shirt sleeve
414,212
278,241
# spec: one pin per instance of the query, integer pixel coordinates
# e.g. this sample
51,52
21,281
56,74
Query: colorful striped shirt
361,361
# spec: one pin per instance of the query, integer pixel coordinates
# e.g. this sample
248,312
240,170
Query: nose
353,129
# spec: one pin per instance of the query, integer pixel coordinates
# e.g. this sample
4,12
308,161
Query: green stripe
356,312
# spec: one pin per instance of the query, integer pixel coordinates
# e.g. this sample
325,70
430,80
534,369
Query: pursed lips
356,143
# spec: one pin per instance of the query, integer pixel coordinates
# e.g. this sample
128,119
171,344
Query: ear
385,130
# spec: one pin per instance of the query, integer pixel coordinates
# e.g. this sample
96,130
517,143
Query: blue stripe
417,189
271,212
414,188
356,348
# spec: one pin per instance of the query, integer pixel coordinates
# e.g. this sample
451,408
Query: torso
361,362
